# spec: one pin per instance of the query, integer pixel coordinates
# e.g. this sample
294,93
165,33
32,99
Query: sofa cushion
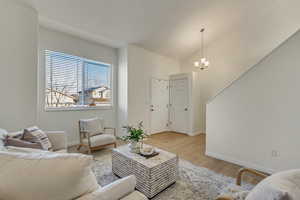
36,135
279,186
31,150
135,196
25,150
117,190
45,176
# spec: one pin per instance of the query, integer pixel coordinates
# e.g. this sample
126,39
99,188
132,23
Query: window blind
75,81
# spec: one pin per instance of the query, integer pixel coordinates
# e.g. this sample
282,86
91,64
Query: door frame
189,77
150,102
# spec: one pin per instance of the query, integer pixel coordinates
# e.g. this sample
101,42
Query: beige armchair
94,136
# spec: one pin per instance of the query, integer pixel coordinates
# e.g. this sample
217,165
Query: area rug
193,182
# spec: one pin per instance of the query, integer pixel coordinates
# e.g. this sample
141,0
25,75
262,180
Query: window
75,82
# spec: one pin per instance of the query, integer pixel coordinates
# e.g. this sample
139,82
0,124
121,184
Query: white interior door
179,105
159,113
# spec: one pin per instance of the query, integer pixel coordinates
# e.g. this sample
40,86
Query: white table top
162,157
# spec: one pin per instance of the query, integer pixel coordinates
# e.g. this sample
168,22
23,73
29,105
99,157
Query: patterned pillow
36,135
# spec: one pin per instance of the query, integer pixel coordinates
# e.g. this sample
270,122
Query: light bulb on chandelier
203,60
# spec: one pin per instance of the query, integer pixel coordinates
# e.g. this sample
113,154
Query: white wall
18,61
142,66
68,120
249,40
122,89
198,123
260,113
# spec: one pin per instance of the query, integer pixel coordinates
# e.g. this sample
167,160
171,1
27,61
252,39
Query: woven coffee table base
150,179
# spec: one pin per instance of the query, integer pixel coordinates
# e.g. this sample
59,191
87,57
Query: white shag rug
194,183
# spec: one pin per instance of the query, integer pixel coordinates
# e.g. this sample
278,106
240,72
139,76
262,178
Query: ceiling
168,27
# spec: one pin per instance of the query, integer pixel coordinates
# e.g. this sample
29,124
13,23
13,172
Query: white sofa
122,189
282,185
39,162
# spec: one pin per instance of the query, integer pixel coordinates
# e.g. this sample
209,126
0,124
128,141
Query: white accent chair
94,135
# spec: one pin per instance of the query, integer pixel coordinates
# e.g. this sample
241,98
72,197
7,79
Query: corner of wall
122,99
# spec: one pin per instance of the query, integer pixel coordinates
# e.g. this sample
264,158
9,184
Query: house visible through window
72,81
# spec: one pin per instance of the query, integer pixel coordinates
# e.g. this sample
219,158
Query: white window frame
108,106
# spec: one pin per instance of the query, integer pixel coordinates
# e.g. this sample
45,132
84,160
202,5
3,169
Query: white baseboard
72,143
239,162
195,133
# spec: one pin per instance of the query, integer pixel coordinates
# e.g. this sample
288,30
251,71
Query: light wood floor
192,149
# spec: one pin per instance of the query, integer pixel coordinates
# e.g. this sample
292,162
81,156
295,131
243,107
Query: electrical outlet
275,153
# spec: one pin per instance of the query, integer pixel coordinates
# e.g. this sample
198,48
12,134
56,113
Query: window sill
80,108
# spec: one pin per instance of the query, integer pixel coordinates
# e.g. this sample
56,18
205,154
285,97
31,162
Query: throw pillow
16,142
17,134
279,186
46,176
3,135
36,135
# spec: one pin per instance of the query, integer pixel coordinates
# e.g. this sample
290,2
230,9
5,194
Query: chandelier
203,63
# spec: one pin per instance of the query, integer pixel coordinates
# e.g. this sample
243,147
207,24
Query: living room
149,99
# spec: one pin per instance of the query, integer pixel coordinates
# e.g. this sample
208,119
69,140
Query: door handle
186,109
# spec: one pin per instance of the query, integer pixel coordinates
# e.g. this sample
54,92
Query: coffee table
153,174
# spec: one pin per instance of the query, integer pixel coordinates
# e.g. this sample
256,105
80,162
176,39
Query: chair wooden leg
224,198
89,150
251,171
115,145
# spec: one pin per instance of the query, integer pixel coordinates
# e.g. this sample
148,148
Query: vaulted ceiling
169,27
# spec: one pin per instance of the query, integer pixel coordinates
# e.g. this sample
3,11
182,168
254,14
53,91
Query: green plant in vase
135,136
